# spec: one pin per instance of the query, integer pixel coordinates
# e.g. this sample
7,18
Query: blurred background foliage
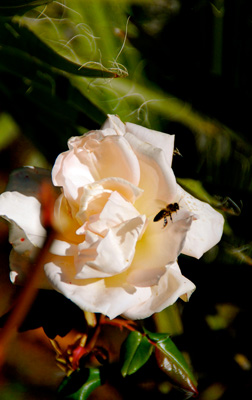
178,66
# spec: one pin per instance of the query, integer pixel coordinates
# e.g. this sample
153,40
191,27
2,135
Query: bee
166,212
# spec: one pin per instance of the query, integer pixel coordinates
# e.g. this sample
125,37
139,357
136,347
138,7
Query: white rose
109,256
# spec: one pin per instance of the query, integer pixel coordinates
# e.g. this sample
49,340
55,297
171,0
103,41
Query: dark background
200,53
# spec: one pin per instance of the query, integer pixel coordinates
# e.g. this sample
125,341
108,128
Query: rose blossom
109,256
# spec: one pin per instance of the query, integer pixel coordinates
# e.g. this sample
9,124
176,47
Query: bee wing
160,203
152,207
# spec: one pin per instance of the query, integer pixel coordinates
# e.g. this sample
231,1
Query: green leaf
56,114
9,8
80,384
21,44
136,351
172,362
36,95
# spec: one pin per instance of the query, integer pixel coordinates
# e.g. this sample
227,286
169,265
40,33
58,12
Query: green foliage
36,91
136,351
20,44
172,362
8,8
80,384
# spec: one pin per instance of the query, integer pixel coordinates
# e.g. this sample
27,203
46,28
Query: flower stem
25,298
119,322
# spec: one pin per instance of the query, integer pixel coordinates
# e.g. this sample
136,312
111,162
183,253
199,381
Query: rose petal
92,161
157,178
166,243
118,227
23,212
101,295
98,260
70,173
96,194
78,143
115,211
64,221
19,240
114,122
206,231
115,151
63,248
171,286
156,139
110,296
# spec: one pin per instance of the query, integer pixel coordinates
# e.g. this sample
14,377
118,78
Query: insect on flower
166,212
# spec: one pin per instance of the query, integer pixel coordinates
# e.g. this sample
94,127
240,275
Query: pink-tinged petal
115,151
157,178
79,142
111,255
165,242
126,189
116,211
110,296
76,167
206,230
157,139
95,195
92,161
63,248
23,212
70,173
171,286
64,221
114,122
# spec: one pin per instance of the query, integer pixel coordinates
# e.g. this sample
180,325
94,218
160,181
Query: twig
25,299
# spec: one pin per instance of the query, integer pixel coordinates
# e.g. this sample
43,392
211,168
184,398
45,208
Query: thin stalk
25,299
